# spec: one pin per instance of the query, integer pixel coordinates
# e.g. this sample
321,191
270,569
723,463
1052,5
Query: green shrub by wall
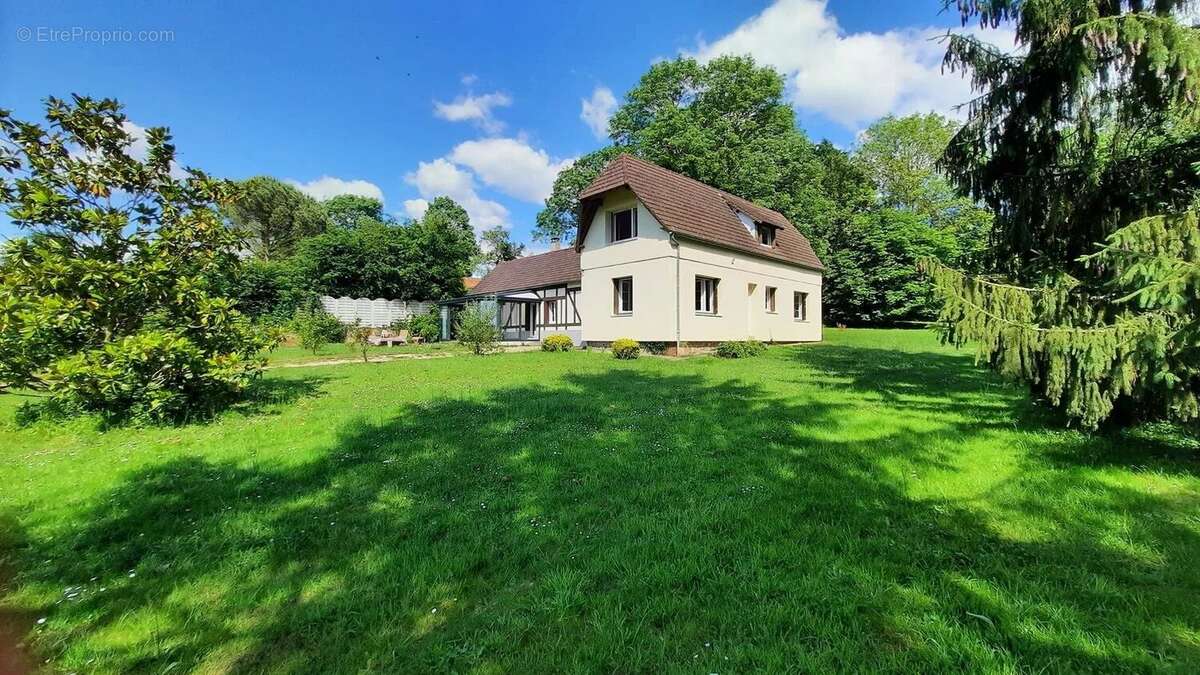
625,348
740,349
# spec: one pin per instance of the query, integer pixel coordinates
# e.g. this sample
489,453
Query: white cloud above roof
511,166
442,177
597,110
472,108
851,78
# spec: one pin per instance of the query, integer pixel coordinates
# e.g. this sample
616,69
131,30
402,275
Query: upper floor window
706,295
623,295
622,225
766,234
800,306
769,298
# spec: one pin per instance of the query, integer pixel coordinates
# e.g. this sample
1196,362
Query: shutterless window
706,295
622,225
623,295
770,298
800,305
766,235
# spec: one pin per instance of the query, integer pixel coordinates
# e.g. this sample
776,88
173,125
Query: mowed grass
871,503
292,355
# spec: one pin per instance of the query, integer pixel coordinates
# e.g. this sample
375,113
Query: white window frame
611,230
800,305
619,307
711,293
769,293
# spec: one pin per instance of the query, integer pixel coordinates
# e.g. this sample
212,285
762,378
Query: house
660,257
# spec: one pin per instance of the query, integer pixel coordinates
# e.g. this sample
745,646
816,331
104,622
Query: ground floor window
800,305
623,295
706,295
769,299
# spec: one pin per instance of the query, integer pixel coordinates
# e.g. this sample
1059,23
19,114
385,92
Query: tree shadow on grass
941,382
269,395
264,396
617,521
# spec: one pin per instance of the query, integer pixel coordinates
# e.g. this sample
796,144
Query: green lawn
341,352
871,503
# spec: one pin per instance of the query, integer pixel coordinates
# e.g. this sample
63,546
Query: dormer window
622,225
766,234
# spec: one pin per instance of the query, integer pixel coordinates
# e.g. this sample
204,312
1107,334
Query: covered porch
524,316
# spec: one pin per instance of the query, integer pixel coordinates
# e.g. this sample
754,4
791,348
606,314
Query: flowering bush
558,343
625,348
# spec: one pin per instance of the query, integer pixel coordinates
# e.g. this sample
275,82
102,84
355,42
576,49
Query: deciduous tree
349,210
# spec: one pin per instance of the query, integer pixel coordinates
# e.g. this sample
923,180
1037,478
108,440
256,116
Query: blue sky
483,101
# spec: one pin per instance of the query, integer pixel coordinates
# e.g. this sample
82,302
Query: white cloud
476,109
415,208
596,111
441,177
469,79
852,78
511,166
328,186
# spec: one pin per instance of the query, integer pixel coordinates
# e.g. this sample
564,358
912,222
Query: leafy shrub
112,301
153,376
740,349
657,348
399,325
625,348
268,291
316,328
428,327
558,343
358,339
477,329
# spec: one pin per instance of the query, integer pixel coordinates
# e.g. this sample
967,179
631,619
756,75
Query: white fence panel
377,313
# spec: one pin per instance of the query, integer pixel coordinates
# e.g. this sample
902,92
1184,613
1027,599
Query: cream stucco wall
741,297
664,287
649,259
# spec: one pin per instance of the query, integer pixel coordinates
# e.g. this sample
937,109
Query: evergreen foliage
1089,136
274,216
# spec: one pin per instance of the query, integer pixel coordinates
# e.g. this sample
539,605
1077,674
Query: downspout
678,341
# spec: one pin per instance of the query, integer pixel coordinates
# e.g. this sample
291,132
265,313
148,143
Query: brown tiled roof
470,282
534,271
692,209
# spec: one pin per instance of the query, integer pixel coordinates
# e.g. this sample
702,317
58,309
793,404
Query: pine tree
1088,135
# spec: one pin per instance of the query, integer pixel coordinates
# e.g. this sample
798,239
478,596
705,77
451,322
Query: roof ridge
534,255
723,193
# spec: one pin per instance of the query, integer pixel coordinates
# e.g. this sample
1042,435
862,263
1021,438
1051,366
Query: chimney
555,243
